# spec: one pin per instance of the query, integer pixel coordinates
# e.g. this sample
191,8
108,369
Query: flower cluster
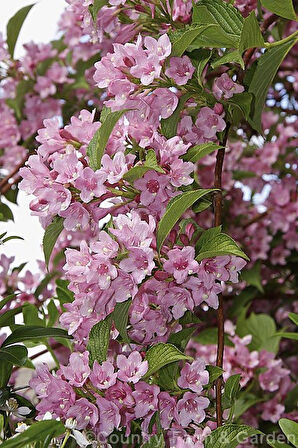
116,395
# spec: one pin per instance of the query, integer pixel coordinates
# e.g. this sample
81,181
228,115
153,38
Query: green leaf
63,292
227,20
37,432
53,313
199,151
231,392
16,354
34,332
5,372
94,9
30,313
8,317
14,27
244,402
263,77
214,373
162,354
251,35
5,213
168,376
97,145
227,58
17,103
156,441
120,317
275,444
229,436
203,57
283,8
6,300
239,106
51,235
209,336
292,316
44,283
253,276
139,170
293,336
212,243
182,337
290,429
175,210
99,338
169,125
181,39
263,330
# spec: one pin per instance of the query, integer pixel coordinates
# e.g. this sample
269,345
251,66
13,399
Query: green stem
282,41
65,438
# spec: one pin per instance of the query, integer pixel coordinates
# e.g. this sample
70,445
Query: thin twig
218,203
4,182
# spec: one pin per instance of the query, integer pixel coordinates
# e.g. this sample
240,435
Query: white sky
40,26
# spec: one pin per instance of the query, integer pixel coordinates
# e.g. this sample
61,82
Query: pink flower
114,168
102,375
179,173
91,184
139,262
101,272
45,87
152,187
167,406
270,379
209,122
76,217
147,68
121,395
194,376
224,87
68,167
105,245
160,48
131,369
163,102
272,410
105,73
60,397
146,399
84,413
78,369
41,380
181,263
109,417
180,70
191,409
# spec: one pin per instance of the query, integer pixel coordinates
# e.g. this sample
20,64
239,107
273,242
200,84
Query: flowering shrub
156,141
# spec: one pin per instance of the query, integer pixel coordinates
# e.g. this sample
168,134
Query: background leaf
282,8
162,354
37,432
99,338
97,145
51,235
32,332
175,210
263,76
14,27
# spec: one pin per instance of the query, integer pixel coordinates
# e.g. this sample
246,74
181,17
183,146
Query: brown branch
218,204
5,182
256,219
